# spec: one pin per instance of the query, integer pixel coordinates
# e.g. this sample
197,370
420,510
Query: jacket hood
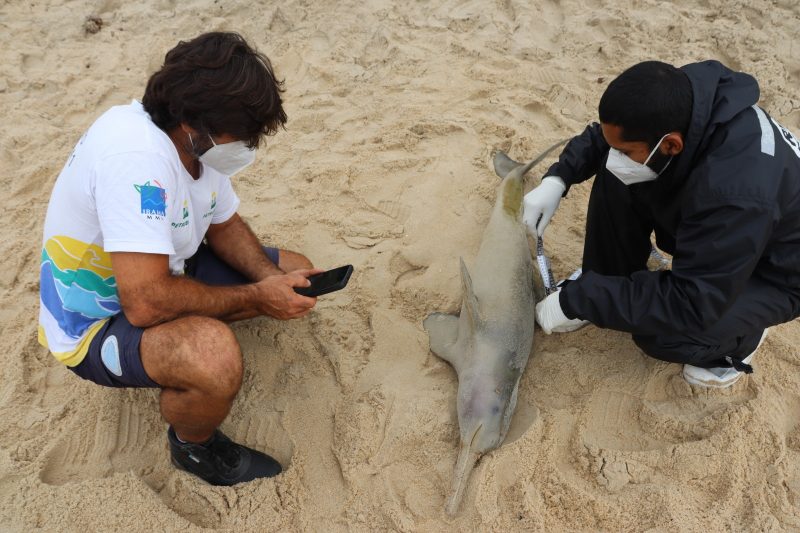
719,94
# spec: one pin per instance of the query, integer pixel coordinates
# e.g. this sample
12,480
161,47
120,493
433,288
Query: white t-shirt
123,189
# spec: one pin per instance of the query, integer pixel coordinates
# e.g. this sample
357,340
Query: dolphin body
489,342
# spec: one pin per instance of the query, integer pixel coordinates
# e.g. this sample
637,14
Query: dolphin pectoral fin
464,465
470,303
503,164
443,333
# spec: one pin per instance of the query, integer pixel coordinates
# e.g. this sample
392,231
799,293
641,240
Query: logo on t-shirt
183,222
154,198
213,205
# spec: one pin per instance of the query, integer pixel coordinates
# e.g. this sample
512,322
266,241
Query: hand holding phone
326,282
275,297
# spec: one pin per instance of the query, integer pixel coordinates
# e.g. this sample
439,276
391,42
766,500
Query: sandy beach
394,111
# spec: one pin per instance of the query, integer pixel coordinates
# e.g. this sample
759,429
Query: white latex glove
542,202
552,319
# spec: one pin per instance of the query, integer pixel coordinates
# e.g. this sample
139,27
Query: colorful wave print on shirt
77,284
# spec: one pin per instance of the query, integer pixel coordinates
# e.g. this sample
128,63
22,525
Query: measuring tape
544,268
550,285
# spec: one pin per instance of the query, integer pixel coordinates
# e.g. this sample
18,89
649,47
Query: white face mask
228,158
629,171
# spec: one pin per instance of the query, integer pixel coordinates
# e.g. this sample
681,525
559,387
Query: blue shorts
113,358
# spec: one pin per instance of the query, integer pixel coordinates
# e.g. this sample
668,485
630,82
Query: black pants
619,223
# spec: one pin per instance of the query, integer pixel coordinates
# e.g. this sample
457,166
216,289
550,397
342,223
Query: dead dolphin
488,344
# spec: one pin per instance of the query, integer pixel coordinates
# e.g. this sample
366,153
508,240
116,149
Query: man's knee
289,261
216,357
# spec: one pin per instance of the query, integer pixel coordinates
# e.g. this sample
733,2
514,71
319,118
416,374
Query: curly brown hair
217,84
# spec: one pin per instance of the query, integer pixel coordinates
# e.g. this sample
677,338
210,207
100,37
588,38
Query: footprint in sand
361,428
408,292
650,407
567,103
125,436
628,430
403,269
378,50
128,436
393,209
346,340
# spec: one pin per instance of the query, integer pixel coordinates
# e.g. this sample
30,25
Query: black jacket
730,205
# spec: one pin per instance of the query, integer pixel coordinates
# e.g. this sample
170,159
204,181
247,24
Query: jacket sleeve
582,157
718,248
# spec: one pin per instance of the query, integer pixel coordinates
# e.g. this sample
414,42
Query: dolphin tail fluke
466,462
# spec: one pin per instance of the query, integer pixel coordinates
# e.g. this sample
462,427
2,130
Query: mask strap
194,148
656,148
653,153
195,154
665,166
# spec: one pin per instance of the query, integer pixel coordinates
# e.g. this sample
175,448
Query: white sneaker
718,377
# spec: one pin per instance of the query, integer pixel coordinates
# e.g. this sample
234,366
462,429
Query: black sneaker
220,461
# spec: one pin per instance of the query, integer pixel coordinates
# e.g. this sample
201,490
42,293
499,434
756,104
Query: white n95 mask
228,158
629,171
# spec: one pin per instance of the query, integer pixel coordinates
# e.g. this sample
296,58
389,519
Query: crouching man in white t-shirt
130,294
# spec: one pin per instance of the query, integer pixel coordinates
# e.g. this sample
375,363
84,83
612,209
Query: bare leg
198,363
289,261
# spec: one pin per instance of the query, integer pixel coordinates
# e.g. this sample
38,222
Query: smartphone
325,282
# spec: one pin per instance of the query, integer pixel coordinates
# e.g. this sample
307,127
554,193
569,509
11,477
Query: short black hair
217,83
648,100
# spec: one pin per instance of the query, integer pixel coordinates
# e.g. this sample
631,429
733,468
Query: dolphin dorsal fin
470,303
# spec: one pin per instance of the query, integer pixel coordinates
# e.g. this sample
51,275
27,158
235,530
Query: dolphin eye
495,409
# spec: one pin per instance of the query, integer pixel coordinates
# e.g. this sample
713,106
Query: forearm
235,243
644,303
177,296
581,158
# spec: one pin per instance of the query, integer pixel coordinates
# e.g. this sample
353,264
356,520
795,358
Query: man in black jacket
685,153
